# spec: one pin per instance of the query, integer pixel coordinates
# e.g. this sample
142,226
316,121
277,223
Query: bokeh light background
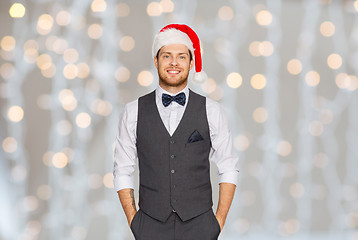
284,70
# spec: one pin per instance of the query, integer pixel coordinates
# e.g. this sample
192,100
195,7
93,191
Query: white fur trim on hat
171,36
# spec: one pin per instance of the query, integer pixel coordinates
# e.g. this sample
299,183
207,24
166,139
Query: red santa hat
181,34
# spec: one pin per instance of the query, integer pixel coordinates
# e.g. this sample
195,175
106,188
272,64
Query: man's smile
173,71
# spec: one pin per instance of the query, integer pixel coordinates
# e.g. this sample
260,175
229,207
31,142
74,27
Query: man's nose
173,62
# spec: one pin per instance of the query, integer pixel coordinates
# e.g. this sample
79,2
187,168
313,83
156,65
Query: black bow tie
167,99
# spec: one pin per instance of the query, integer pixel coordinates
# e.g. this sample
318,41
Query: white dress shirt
125,153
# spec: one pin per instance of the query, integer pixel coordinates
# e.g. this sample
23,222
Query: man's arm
226,194
126,196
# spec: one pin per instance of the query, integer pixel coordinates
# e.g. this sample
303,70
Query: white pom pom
200,77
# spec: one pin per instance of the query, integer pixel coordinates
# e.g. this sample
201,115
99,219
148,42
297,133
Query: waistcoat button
172,156
173,171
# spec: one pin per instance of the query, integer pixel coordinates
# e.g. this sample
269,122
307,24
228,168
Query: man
172,130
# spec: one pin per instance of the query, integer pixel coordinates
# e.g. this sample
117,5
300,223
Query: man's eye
182,57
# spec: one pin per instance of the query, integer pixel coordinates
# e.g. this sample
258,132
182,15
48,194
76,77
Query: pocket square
195,137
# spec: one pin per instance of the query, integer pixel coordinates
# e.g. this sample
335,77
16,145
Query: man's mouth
173,71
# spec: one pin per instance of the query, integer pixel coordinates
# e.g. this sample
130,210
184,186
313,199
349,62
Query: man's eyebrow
172,53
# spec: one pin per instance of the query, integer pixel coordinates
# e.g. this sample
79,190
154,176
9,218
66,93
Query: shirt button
174,200
172,141
172,171
172,156
174,186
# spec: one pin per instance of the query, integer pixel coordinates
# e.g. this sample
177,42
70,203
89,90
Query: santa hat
181,34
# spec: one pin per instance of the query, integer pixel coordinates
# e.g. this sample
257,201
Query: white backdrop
284,70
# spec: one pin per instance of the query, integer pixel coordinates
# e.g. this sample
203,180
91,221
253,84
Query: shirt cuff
123,181
229,177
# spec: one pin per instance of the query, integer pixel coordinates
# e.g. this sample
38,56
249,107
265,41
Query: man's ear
191,63
156,62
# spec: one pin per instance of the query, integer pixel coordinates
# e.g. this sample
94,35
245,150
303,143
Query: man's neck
172,89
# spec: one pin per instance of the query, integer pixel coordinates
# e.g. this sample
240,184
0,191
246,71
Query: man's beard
164,80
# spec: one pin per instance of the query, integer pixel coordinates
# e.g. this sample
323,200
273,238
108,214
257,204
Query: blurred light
60,45
17,10
248,198
8,43
44,101
145,78
258,81
167,6
241,143
297,190
254,48
33,228
70,55
70,71
316,128
94,181
326,116
98,6
208,86
49,72
100,107
356,7
18,173
266,48
217,94
69,153
108,180
127,43
44,192
349,82
352,220
30,203
154,9
83,120
226,13
260,115
44,24
7,56
264,18
50,41
122,74
95,31
241,225
15,113
327,28
83,70
312,78
59,160
64,127
44,61
234,80
289,227
67,99
63,18
9,144
78,233
122,10
47,158
294,66
284,148
7,70
334,61
321,160
31,55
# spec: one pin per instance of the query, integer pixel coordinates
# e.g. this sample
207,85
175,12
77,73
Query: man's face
173,65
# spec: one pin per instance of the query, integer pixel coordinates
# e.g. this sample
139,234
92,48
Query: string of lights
285,72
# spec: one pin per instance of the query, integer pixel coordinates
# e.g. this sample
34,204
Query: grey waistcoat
173,174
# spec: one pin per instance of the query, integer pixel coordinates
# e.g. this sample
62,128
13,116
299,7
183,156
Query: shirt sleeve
125,151
223,154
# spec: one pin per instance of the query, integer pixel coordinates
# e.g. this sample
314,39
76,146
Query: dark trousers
202,227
